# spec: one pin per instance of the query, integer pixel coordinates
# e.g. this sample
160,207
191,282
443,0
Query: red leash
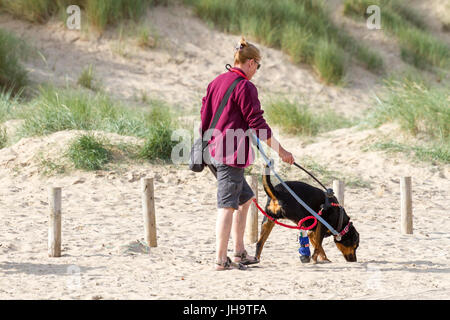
299,226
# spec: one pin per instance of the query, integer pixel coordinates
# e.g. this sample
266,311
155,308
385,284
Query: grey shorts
232,188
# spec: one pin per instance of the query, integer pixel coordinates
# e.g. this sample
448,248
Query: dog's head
348,244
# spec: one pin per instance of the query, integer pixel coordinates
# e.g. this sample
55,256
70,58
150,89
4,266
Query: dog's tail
268,187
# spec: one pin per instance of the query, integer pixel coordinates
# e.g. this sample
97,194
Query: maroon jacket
230,144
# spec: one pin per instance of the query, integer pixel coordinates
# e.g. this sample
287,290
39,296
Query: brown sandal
245,258
229,265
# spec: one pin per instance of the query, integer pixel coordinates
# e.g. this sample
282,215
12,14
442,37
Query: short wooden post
338,188
148,210
406,205
251,229
54,222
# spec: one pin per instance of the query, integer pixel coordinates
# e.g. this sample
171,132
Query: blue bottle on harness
305,254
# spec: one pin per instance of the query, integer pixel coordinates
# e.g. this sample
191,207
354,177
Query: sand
102,224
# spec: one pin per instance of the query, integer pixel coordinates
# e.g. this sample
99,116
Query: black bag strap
219,111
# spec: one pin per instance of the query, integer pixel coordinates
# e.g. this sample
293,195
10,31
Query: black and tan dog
282,205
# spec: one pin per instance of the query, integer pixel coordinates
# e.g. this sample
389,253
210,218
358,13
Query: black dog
282,205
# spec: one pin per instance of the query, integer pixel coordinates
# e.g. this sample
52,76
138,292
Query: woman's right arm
285,155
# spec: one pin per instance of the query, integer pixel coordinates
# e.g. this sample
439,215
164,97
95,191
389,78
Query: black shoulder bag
196,160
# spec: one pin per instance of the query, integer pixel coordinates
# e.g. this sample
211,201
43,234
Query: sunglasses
259,64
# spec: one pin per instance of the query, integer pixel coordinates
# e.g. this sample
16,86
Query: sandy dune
189,56
102,219
102,224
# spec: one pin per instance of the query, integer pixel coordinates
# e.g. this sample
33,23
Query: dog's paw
305,259
324,260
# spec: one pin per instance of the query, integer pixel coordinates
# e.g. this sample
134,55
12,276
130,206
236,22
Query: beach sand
102,223
102,228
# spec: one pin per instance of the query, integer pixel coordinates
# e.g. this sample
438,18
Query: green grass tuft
3,137
87,79
49,167
158,143
32,10
87,152
434,152
109,12
329,61
299,120
8,104
147,37
13,76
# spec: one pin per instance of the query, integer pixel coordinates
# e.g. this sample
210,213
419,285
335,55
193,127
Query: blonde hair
245,51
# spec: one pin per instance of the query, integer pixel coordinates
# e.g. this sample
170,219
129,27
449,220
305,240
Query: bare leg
238,228
223,229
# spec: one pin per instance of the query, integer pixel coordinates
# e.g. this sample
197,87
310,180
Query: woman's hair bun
244,51
243,42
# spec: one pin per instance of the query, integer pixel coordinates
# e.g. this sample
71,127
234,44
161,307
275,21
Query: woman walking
230,150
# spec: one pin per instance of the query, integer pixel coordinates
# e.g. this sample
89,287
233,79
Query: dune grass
422,112
32,10
158,143
147,37
108,12
88,80
99,13
299,28
8,104
418,46
297,119
419,109
3,137
13,76
88,152
55,110
329,61
431,153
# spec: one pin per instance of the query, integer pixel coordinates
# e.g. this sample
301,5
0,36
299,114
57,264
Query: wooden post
251,229
338,188
406,206
54,222
148,210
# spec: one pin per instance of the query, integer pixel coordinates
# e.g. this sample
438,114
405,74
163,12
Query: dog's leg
266,228
316,238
